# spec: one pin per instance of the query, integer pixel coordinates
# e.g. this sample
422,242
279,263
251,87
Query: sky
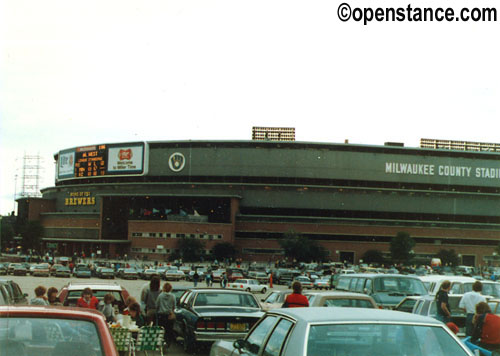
76,73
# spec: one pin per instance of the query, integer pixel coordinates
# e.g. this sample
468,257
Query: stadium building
139,198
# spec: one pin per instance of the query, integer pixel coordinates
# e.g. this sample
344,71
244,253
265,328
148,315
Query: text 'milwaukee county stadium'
140,198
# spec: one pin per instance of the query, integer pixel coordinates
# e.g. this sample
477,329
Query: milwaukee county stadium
140,198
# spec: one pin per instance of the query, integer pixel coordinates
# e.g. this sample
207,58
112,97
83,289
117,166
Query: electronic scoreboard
102,160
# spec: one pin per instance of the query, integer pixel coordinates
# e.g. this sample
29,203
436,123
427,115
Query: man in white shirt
468,303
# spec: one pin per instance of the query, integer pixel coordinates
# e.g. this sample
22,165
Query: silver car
319,331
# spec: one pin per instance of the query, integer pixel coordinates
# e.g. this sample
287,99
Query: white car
250,285
174,275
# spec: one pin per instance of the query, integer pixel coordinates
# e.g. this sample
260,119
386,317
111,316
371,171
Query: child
106,307
136,315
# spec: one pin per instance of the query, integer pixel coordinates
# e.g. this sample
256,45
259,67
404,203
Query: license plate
237,327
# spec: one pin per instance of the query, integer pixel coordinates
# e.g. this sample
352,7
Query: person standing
296,299
150,299
223,280
196,278
165,304
442,303
87,299
468,303
40,298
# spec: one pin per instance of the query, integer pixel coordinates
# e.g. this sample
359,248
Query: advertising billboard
102,160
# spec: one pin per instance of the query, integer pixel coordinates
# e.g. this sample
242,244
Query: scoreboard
90,161
102,160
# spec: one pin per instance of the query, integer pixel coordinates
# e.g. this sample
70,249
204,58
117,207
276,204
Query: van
433,283
387,289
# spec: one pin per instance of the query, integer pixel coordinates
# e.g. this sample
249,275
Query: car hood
228,311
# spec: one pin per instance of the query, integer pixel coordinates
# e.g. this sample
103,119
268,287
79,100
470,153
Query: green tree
373,256
301,248
223,250
191,249
401,248
448,257
31,233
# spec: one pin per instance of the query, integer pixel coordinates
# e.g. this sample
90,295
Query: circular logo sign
176,161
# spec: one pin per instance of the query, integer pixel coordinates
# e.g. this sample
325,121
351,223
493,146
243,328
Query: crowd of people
481,325
155,307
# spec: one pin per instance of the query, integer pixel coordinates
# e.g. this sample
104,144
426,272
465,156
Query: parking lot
29,283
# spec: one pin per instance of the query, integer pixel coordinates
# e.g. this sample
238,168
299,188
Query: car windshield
406,286
381,340
226,299
56,337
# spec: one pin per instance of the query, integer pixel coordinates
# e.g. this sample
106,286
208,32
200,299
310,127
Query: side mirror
239,344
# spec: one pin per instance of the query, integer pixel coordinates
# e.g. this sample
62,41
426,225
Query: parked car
174,275
344,331
3,269
250,285
15,294
207,315
105,272
305,281
41,270
433,283
387,289
27,330
407,304
148,273
322,283
178,291
10,268
273,300
340,299
234,276
19,269
262,277
70,293
54,267
82,271
63,271
129,273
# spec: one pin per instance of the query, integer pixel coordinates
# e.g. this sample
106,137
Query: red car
55,331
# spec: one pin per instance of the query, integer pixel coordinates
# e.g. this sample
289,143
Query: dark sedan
207,315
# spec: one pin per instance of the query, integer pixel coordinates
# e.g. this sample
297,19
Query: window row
165,251
177,236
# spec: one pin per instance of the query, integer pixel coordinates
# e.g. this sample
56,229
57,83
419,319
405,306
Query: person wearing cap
468,303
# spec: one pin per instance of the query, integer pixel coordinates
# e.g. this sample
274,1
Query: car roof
94,286
339,314
433,278
339,294
49,311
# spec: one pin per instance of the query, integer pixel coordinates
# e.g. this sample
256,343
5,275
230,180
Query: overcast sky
76,73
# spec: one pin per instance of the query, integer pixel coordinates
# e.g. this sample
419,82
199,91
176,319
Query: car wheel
264,290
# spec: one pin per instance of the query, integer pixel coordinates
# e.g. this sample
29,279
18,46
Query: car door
258,336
